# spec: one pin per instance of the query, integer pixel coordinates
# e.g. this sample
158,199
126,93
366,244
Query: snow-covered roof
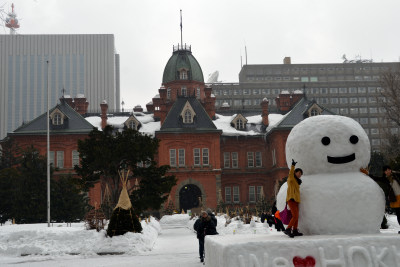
150,126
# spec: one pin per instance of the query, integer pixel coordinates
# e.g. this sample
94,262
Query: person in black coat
212,216
203,226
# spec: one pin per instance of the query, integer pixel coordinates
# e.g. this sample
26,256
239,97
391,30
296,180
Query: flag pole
181,31
48,148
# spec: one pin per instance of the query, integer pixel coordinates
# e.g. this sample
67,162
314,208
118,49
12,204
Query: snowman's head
328,144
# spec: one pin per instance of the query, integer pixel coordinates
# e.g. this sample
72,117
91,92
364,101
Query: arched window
188,117
183,91
239,124
57,120
132,125
183,75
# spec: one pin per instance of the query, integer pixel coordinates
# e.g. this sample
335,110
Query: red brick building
233,154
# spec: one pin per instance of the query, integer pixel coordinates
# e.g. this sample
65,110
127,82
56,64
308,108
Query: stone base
375,250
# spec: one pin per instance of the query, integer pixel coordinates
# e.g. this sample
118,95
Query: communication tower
12,21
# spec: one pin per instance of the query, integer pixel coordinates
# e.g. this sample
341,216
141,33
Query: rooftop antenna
245,51
181,31
12,21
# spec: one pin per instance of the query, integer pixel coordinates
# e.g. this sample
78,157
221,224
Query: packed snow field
59,245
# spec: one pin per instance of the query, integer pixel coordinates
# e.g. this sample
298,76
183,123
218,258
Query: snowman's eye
325,141
354,139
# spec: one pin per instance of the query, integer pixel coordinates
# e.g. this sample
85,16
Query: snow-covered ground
169,242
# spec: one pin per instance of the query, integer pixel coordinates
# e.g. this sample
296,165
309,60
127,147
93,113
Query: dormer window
239,122
314,112
188,117
132,123
187,113
183,74
57,119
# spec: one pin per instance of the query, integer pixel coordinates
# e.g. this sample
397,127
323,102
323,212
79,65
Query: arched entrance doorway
189,197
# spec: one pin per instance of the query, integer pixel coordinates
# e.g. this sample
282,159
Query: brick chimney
80,104
67,99
138,108
209,102
264,115
104,108
285,101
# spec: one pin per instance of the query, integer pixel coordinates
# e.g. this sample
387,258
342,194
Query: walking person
293,199
204,226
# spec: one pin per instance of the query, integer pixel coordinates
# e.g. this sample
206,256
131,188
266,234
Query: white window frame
196,156
181,157
187,117
228,194
206,156
235,160
236,194
132,125
252,194
60,159
172,157
250,159
239,124
227,160
75,158
57,119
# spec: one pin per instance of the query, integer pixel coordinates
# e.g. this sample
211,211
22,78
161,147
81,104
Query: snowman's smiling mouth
341,160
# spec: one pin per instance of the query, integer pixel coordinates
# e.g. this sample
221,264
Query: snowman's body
336,198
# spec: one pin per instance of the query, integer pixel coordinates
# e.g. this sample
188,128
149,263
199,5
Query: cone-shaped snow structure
123,218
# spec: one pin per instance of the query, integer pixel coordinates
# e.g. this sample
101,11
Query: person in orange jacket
293,199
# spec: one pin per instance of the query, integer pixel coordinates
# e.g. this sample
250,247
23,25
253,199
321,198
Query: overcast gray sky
309,31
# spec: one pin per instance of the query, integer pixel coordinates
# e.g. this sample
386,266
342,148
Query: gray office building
351,89
34,67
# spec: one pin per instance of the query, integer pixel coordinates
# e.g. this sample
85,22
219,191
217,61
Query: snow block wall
311,251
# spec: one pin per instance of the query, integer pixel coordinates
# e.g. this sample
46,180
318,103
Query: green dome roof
182,58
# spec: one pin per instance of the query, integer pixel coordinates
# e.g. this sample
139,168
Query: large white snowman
336,198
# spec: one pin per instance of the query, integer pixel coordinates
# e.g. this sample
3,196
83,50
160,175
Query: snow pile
176,219
236,226
335,195
38,239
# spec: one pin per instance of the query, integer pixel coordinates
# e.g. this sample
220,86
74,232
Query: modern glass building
34,67
350,89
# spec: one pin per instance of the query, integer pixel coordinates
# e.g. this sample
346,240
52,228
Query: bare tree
390,101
